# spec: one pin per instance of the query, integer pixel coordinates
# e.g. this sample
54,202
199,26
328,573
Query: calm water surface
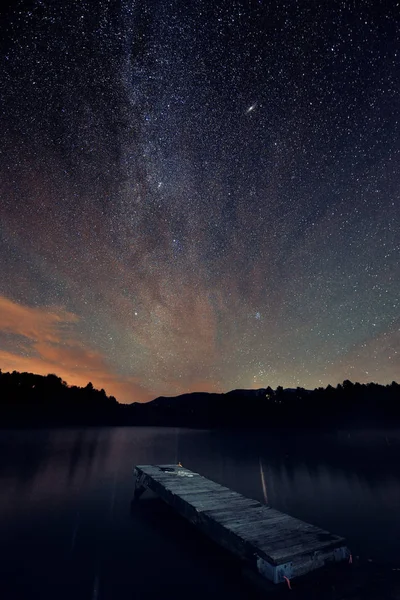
67,528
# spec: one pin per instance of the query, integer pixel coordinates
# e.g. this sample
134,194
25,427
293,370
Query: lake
68,530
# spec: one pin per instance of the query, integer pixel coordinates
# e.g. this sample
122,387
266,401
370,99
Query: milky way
200,195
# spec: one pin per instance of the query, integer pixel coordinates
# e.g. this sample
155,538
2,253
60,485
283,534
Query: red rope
287,581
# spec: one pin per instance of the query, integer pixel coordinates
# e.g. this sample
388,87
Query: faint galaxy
200,196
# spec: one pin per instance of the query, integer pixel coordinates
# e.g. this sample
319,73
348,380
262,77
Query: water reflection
67,493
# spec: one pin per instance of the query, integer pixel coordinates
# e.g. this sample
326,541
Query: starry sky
200,196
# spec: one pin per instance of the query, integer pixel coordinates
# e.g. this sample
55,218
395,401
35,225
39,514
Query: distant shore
29,400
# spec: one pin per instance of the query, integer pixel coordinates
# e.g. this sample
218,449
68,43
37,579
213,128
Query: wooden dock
273,544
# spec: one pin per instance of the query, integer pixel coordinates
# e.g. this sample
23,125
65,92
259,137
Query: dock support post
139,489
139,486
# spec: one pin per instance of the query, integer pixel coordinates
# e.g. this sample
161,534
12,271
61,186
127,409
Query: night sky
200,195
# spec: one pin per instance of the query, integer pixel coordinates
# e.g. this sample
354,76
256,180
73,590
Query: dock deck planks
274,544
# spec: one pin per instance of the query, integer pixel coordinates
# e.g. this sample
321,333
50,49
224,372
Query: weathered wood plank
195,487
228,515
185,483
246,524
277,522
287,553
206,505
275,544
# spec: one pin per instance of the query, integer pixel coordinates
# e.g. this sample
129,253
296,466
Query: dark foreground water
67,528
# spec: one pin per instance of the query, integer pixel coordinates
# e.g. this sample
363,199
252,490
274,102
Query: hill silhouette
27,399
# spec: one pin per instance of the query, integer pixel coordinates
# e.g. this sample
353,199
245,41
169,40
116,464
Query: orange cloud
33,323
54,347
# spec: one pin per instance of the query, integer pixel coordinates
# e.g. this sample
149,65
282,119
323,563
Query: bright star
251,108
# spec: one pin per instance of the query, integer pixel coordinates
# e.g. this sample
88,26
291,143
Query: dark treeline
27,399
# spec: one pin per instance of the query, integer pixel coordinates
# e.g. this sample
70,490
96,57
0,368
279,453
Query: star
251,108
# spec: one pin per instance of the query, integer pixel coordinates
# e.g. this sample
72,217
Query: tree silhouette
27,399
